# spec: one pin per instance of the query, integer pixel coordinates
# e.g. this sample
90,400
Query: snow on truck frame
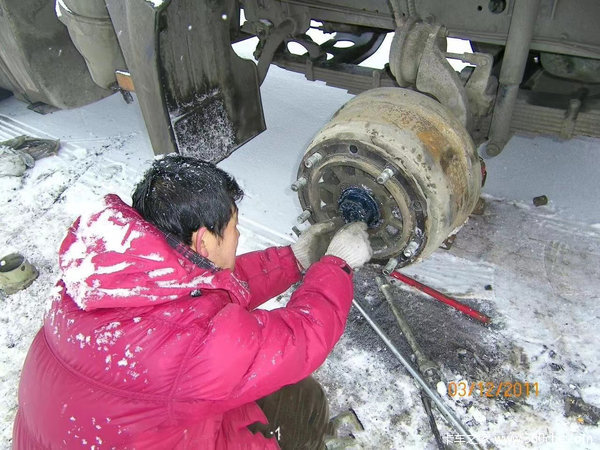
401,155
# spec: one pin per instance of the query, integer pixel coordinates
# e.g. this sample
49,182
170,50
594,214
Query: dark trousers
298,416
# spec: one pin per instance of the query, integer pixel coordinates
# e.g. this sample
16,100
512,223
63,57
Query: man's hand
351,243
311,244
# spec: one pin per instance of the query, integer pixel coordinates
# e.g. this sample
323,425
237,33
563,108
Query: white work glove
351,243
312,243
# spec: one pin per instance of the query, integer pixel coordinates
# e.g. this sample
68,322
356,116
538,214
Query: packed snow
534,270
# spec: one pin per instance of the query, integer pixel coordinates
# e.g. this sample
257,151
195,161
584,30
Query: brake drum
401,162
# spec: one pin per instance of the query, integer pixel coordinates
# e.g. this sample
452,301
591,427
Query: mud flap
198,98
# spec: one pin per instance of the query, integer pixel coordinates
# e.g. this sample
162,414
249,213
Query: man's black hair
179,195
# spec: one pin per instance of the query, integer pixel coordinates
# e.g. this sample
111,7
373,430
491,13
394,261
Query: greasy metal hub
408,154
357,205
344,184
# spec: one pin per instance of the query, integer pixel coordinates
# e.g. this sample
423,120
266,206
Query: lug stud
410,249
385,175
299,183
313,159
304,216
390,266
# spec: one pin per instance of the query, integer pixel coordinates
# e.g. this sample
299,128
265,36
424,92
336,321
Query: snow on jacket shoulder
142,349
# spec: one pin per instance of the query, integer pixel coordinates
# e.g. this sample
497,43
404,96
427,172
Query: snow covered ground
533,270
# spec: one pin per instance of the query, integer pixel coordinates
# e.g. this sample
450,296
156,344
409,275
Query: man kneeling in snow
153,340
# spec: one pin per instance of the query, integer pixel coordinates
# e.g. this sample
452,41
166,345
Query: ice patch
153,257
108,232
113,269
160,272
83,340
135,292
200,280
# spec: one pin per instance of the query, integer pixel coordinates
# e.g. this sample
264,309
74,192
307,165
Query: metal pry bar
432,394
423,362
473,313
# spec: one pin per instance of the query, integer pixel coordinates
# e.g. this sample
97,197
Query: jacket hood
114,258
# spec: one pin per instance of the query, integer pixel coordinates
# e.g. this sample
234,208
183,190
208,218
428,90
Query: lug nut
390,266
410,249
300,182
540,201
385,175
312,160
304,216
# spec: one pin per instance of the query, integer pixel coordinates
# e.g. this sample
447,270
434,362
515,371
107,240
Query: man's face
221,251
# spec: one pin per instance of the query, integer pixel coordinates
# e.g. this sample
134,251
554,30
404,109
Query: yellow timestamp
491,389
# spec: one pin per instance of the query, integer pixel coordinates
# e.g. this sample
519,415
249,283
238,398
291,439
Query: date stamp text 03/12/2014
492,389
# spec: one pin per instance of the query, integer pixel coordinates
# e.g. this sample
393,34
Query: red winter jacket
131,357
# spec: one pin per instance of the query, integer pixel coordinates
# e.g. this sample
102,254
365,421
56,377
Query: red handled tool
442,298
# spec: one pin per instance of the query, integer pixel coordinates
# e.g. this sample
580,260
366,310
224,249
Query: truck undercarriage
402,153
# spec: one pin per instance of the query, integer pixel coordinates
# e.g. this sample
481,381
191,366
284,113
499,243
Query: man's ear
198,242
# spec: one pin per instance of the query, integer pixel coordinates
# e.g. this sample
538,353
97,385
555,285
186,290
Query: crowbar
441,297
429,391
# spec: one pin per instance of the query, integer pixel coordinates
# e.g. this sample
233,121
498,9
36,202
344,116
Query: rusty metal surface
563,27
124,81
417,58
437,174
